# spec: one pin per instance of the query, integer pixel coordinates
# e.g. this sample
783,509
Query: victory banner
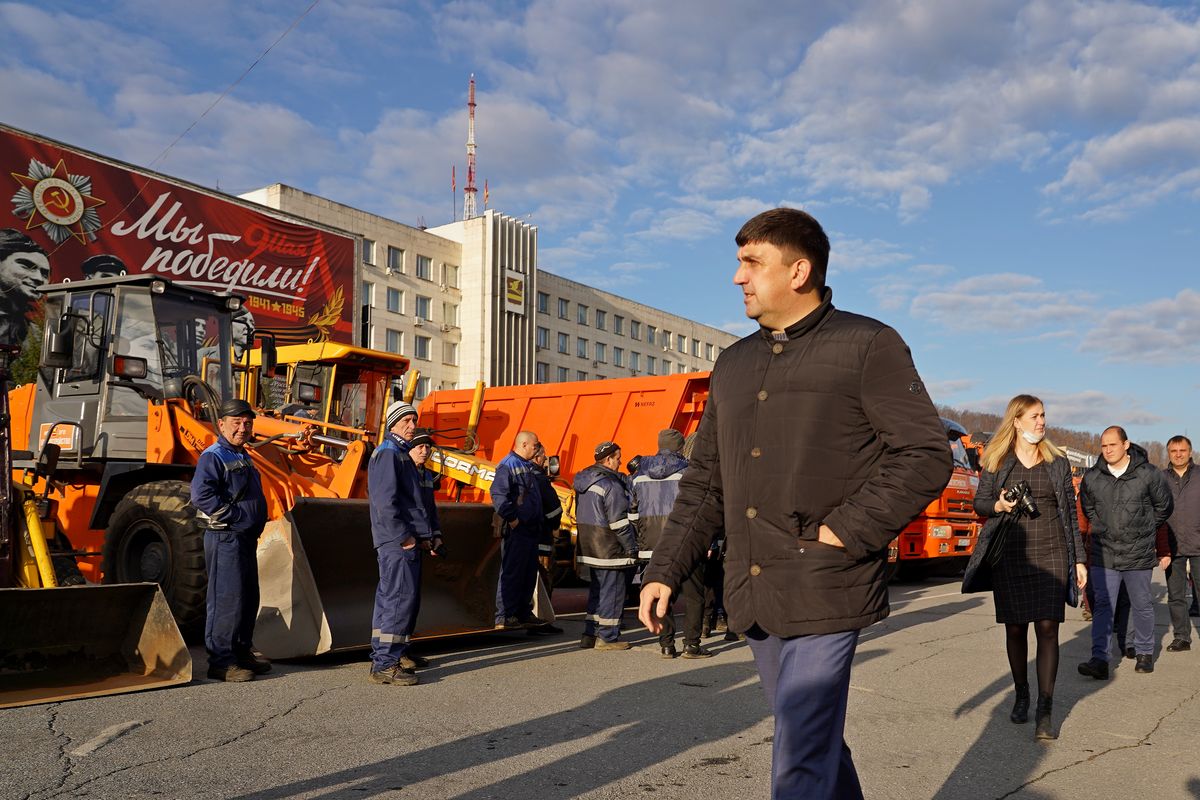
69,215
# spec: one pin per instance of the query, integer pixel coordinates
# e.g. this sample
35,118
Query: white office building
466,301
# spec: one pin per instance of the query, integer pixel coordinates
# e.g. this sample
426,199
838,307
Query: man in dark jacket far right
1183,537
818,444
1126,499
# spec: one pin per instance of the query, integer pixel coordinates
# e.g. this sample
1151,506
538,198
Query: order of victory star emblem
59,202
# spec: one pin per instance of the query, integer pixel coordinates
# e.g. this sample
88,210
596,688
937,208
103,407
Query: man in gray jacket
817,445
1126,499
1183,537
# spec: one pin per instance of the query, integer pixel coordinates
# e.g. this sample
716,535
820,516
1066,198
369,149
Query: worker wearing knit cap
399,528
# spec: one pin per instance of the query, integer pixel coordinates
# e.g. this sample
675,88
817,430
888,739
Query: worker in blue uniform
418,450
517,500
399,527
227,492
607,546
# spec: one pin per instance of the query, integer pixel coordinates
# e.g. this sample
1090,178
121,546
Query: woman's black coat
978,577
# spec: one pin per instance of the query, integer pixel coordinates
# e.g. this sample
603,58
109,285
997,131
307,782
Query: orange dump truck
571,418
944,535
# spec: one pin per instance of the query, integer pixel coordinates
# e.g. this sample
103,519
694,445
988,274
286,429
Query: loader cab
112,345
336,384
966,459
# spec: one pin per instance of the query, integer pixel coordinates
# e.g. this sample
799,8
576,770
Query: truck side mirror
60,343
270,357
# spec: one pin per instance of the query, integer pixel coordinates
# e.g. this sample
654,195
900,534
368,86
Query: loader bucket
317,575
87,641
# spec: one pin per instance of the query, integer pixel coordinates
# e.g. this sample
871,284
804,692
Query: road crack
184,756
1142,742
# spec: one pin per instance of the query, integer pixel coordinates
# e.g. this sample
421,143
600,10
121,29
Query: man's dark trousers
1177,594
692,594
606,602
232,602
1107,584
518,575
807,681
397,598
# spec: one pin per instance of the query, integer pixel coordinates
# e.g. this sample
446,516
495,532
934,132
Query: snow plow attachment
87,641
317,574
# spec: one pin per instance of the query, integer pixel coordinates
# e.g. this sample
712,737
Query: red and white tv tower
469,190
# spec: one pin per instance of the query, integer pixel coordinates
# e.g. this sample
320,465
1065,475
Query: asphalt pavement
513,716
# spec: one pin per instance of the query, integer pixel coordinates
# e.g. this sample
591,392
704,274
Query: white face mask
1032,438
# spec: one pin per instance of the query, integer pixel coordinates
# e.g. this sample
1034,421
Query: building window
602,352
422,388
618,357
564,343
580,375
395,342
450,353
421,347
666,340
543,338
421,311
601,319
695,348
450,276
618,324
581,348
650,331
681,343
666,367
564,308
395,261
651,365
635,329
599,377
368,251
425,268
450,314
581,314
395,300
542,372
368,294
543,303
563,374
680,368
708,351
635,361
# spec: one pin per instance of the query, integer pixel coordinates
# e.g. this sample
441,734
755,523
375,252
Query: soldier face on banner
21,273
242,327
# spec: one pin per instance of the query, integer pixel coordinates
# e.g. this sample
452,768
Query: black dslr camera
1019,494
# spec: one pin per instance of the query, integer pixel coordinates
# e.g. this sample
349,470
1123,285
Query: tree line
979,421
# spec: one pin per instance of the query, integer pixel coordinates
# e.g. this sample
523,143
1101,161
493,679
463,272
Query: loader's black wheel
155,536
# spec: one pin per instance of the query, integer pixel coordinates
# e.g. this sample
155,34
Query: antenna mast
469,190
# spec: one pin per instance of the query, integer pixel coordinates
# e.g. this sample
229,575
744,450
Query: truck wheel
155,536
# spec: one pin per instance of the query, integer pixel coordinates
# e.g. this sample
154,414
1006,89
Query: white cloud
1089,408
1009,302
940,390
1164,332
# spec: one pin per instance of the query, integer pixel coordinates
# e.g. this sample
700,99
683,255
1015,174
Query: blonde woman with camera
1029,552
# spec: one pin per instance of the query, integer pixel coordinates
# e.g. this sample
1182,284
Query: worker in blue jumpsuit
517,500
227,491
607,546
399,525
418,450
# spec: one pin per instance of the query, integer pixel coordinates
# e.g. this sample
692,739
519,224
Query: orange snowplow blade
87,641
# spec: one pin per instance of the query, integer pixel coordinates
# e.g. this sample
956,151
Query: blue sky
1012,185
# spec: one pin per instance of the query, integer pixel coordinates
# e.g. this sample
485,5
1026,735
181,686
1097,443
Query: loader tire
154,535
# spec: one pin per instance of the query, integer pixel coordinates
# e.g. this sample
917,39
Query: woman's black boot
1020,712
1045,729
